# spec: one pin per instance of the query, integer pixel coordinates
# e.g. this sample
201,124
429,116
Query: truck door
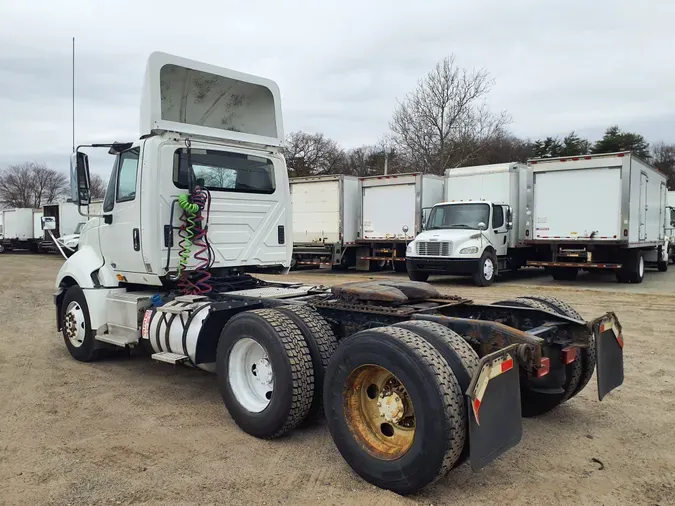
643,206
119,234
499,231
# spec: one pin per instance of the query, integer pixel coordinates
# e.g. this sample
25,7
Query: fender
88,269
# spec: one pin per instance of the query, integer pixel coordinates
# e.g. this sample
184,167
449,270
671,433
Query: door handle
137,240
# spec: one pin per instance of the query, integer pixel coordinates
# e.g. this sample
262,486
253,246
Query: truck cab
462,237
203,126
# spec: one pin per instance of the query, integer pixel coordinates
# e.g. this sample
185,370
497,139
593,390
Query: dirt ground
133,431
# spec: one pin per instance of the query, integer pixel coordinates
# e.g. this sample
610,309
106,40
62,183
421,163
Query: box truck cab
461,238
479,229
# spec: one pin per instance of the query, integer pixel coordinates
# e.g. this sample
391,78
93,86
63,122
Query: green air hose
190,210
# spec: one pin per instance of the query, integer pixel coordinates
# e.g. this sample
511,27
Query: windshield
78,229
459,216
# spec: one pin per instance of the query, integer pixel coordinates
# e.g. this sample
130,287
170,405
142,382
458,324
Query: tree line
443,123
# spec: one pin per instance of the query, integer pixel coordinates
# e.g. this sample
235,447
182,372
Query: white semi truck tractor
200,200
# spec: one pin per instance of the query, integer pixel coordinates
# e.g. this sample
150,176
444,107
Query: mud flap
609,353
495,421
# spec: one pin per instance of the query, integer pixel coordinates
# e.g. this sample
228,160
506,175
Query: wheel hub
262,370
391,407
73,324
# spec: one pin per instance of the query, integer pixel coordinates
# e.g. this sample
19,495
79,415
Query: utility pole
73,94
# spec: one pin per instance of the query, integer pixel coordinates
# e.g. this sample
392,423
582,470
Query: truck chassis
406,377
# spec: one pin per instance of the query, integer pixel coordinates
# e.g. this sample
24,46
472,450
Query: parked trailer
393,210
69,224
599,212
20,227
479,229
325,220
412,382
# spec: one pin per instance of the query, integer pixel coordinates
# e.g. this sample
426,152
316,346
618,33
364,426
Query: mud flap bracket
493,402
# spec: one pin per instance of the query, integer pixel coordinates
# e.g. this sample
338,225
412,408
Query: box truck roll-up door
578,204
387,209
316,212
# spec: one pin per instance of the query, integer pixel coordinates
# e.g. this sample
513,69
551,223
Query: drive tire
586,355
290,360
637,273
535,403
460,356
76,323
321,342
486,271
439,428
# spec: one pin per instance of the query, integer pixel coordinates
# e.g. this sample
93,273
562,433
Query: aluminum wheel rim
379,412
251,375
488,269
641,267
74,324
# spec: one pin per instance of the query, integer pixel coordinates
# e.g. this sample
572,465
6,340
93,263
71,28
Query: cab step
169,358
117,339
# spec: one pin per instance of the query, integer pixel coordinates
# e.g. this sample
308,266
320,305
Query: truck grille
434,249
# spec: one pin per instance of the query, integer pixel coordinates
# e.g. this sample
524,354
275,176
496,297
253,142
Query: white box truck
325,220
480,227
603,211
69,223
20,228
393,209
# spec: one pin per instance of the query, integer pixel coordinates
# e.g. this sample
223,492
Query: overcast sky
558,65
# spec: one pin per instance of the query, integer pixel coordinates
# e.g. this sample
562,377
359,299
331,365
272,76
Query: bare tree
31,185
444,122
97,187
312,154
663,158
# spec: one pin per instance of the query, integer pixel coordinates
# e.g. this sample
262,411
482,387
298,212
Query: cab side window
127,175
497,216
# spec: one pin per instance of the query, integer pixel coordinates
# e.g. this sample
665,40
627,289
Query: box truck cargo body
325,220
394,208
69,223
20,228
479,229
599,211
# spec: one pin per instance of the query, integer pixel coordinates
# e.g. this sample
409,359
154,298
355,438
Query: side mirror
48,223
509,218
79,178
482,226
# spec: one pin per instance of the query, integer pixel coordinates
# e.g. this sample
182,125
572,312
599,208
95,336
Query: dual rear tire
394,401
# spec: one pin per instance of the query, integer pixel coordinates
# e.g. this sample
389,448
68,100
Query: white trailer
603,211
480,228
393,210
326,211
20,228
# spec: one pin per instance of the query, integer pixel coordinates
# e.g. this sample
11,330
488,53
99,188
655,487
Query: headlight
468,251
409,249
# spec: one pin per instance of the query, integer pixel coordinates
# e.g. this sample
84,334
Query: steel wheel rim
250,375
74,324
488,268
641,266
379,412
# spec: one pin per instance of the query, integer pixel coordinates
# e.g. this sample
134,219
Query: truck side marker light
544,367
569,355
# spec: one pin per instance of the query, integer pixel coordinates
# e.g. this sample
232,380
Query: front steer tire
76,326
290,360
486,270
439,422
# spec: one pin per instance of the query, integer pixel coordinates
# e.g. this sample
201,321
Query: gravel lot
133,431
